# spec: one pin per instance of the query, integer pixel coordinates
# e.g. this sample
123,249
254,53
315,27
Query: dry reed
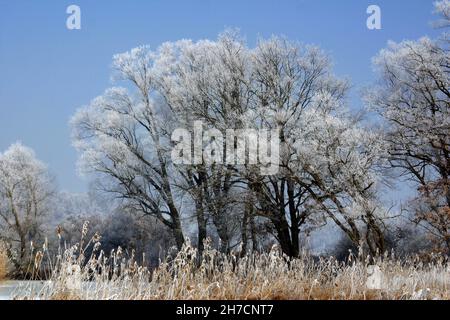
214,275
4,262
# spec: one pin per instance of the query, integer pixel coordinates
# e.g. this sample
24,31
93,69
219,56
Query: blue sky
48,71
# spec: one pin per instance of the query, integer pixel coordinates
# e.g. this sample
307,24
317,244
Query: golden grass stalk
4,262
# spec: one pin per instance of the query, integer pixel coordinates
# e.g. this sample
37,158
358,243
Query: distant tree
25,192
142,236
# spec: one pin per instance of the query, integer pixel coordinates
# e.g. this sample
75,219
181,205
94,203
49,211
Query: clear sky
48,71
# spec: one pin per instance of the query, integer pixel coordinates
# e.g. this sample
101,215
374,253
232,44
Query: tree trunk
283,236
201,224
293,214
221,227
244,238
253,233
177,231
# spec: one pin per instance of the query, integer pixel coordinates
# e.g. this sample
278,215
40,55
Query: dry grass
4,262
217,276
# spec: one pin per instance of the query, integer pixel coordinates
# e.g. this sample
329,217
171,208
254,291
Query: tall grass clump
84,271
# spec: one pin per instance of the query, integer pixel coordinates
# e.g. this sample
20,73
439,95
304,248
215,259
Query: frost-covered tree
288,81
123,135
25,192
207,81
413,95
66,204
442,8
327,163
339,164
